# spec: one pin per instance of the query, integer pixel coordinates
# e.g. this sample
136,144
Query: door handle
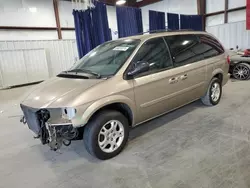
184,77
173,80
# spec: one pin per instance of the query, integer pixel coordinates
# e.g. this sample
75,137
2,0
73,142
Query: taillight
228,59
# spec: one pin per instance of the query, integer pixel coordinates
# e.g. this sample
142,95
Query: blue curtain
156,20
185,24
191,22
129,21
101,29
196,22
173,21
91,28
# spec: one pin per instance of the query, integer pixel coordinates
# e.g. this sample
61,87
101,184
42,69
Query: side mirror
140,67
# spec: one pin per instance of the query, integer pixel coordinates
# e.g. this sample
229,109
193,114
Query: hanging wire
82,4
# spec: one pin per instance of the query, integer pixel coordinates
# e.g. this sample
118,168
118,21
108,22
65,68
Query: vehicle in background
239,65
123,83
247,53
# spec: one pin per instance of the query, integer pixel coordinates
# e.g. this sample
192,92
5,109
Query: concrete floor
193,147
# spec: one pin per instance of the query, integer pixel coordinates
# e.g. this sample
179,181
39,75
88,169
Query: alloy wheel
241,72
215,94
111,136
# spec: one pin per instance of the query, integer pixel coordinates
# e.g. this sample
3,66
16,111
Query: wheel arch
119,103
218,73
219,76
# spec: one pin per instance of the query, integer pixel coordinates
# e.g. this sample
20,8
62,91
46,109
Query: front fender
85,113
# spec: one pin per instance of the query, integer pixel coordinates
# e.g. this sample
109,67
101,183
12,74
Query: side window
185,49
211,47
155,52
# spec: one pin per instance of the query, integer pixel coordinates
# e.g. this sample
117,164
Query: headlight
68,113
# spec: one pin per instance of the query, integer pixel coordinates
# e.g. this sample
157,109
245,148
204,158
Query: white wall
112,19
34,13
27,13
215,20
27,35
215,5
40,13
65,14
66,18
236,3
237,16
171,6
234,32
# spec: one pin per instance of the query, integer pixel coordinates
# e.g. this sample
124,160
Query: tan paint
147,96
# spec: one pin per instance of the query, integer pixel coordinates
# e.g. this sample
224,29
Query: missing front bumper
53,134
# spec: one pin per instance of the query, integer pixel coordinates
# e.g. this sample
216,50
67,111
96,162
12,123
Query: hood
57,92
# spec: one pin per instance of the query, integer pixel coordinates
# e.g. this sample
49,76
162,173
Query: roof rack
165,30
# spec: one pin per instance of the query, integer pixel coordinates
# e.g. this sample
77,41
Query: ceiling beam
201,10
226,13
236,9
215,13
28,28
58,25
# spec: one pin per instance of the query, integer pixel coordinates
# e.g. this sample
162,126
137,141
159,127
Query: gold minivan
123,83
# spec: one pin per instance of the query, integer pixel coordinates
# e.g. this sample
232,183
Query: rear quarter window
211,47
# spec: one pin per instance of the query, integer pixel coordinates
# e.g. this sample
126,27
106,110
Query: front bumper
31,118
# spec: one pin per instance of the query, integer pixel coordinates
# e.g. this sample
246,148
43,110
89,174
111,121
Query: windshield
108,58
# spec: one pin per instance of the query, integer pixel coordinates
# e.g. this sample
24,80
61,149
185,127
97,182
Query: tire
95,130
208,99
241,71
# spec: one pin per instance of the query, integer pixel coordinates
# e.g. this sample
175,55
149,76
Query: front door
153,87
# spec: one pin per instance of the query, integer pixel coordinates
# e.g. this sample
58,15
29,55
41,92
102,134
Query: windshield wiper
85,71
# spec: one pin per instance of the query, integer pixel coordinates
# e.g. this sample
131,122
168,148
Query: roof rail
157,31
165,30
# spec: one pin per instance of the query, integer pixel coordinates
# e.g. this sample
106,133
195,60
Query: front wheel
241,71
213,94
106,134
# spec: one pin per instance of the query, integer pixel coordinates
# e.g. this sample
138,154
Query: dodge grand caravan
123,83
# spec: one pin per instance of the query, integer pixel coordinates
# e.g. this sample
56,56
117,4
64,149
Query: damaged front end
52,126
